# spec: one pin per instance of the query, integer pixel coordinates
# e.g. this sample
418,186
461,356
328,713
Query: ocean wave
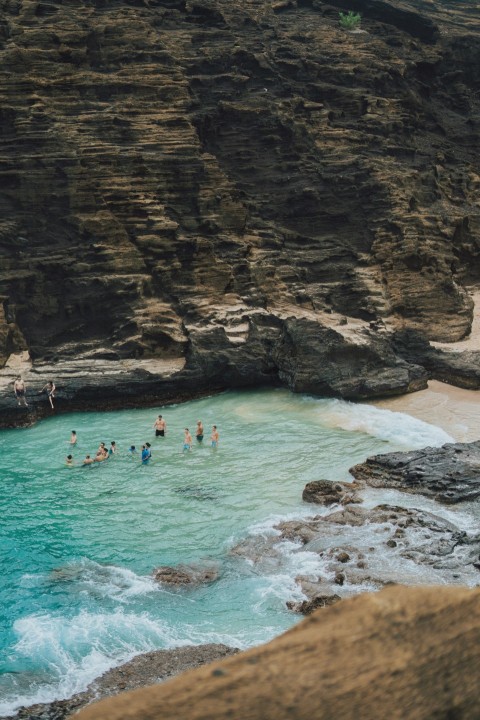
398,428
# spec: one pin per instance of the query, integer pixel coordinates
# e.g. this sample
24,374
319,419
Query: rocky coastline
143,670
361,545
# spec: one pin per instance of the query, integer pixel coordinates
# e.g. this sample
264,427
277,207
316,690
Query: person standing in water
50,389
146,454
113,448
199,431
160,427
187,440
20,390
73,438
214,436
69,460
88,460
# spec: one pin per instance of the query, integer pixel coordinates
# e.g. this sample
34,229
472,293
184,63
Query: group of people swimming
160,426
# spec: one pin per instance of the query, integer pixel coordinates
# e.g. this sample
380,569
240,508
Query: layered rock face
406,653
235,193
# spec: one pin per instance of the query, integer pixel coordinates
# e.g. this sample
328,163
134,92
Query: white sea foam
401,429
74,651
110,581
77,650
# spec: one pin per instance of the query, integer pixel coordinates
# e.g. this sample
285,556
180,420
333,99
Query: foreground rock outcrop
449,474
406,653
199,195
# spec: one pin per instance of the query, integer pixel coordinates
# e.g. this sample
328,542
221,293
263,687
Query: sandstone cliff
202,194
406,653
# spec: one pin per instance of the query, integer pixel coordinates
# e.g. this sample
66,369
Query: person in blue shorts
146,454
187,440
214,437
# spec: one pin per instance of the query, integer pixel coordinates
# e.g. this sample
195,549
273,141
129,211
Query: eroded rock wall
243,188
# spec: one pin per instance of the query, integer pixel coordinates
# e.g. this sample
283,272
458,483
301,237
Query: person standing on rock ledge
50,388
160,427
19,390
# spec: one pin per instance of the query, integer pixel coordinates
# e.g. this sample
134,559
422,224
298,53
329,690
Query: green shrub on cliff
350,20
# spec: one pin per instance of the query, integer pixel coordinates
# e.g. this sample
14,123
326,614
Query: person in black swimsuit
160,427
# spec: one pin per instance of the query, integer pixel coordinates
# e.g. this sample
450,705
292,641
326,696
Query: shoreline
150,668
455,410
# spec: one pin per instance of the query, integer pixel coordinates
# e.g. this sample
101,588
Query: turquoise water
78,544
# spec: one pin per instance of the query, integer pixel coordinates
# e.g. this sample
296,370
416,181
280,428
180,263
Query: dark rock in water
450,474
306,607
324,492
185,575
343,542
197,492
147,669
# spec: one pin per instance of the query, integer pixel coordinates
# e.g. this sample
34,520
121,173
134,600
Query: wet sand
455,410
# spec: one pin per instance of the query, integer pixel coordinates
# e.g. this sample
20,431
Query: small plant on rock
350,20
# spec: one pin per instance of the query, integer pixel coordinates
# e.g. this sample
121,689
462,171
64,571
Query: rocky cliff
403,653
198,194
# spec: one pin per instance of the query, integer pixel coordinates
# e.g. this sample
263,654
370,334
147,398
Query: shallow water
78,544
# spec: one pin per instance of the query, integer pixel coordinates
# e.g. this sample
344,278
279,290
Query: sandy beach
455,410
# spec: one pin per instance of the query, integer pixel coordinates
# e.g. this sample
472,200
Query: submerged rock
185,575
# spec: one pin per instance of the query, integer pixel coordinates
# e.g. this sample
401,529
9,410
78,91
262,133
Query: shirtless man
214,436
199,431
88,460
19,390
73,438
187,440
69,460
160,427
50,388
